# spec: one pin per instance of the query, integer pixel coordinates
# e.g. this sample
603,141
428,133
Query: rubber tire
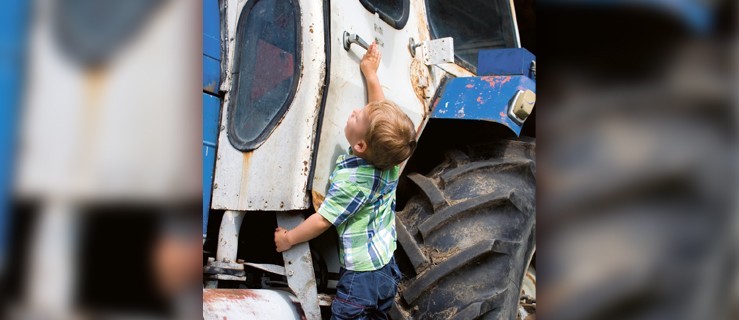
468,234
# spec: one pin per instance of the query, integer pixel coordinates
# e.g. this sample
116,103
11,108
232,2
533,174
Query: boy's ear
361,146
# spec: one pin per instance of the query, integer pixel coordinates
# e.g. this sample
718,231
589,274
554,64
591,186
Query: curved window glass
474,25
393,12
265,73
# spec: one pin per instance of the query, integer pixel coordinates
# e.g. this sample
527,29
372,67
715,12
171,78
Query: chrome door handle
350,38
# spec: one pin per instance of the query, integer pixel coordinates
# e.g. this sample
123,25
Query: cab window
474,25
393,12
265,73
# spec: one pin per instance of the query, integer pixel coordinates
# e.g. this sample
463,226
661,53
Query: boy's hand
281,240
371,61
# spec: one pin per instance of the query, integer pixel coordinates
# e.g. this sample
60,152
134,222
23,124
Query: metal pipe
228,236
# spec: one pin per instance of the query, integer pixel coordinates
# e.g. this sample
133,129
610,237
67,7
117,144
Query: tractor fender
504,91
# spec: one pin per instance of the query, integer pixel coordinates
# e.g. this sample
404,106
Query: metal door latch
434,51
350,38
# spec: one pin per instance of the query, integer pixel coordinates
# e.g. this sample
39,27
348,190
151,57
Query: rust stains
211,87
470,86
480,101
219,295
494,81
436,102
245,164
456,70
94,83
317,200
420,79
423,27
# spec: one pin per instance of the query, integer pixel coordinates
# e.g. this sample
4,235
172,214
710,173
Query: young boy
361,203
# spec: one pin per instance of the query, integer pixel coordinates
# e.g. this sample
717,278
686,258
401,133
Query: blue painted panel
499,62
211,74
13,28
211,29
481,98
211,113
211,104
209,158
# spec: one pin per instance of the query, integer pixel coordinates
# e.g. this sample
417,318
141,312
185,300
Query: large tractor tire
467,236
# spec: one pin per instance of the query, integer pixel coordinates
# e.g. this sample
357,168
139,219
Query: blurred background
637,157
101,189
100,164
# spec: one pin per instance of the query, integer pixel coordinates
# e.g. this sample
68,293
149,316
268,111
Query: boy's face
356,129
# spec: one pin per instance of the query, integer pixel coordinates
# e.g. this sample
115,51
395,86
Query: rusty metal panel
219,304
347,89
275,175
299,268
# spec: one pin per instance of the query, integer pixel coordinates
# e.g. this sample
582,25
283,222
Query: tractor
280,78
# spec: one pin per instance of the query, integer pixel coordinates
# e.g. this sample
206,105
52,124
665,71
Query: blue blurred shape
13,28
698,15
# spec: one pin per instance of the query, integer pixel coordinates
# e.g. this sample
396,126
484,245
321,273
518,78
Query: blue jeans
366,294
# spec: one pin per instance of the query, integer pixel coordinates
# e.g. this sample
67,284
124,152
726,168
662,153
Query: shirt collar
352,161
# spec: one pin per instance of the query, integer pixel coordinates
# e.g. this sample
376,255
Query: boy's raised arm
369,64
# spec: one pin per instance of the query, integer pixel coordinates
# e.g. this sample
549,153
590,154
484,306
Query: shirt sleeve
344,199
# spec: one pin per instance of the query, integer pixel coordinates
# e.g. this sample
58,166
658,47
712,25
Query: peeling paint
496,80
213,295
420,80
211,87
460,113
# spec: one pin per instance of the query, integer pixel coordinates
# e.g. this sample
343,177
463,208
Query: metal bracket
434,51
299,268
272,268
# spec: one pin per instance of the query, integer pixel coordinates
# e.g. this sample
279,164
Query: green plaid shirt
361,204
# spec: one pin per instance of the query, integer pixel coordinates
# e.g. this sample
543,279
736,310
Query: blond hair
391,136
